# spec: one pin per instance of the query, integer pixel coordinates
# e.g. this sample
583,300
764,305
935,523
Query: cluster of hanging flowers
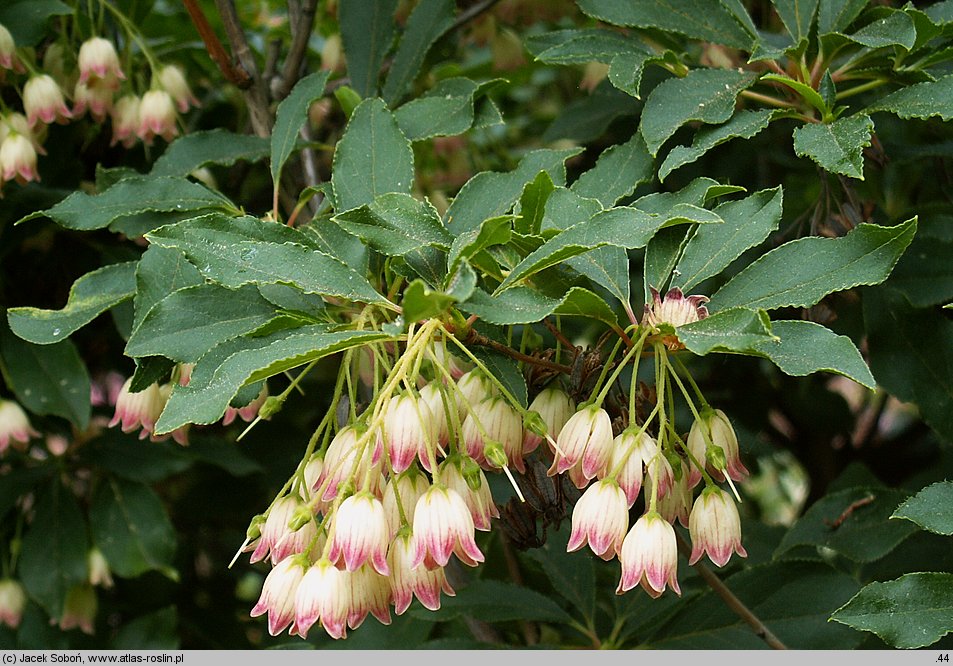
379,506
94,82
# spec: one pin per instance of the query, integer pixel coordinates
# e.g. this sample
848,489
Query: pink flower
443,525
585,443
649,556
18,158
278,593
411,486
14,425
474,388
631,450
12,601
8,50
408,580
249,412
157,116
95,96
312,472
43,101
408,428
715,527
718,427
432,395
677,502
462,474
79,609
370,593
99,573
135,410
600,518
173,80
99,64
675,309
277,538
324,594
502,424
350,445
125,117
555,407
360,533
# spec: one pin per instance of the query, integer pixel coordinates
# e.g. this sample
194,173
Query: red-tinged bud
409,428
8,49
278,593
12,601
99,64
600,518
715,527
370,593
252,410
43,101
324,594
456,472
79,609
172,79
584,445
125,117
99,573
411,486
443,525
475,388
157,116
724,457
500,423
18,158
554,407
135,410
14,425
360,533
409,580
649,556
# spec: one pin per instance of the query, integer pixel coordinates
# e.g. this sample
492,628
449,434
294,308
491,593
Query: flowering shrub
418,301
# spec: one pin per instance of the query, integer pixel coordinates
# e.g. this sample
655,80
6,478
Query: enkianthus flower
135,410
312,472
43,101
340,457
370,593
583,445
408,428
99,573
408,581
443,357
632,450
278,593
16,123
99,63
18,158
94,96
411,486
12,601
14,425
360,533
8,49
173,81
675,309
715,527
275,531
474,387
677,502
324,594
157,116
125,117
658,470
249,412
443,525
722,436
465,476
649,557
431,395
79,609
554,406
502,424
600,518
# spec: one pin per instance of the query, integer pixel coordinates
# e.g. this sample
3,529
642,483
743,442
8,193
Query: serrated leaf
697,193
160,272
217,146
694,18
931,508
130,526
420,302
395,224
493,231
837,147
835,15
533,204
735,330
714,246
372,158
801,272
27,20
291,116
523,305
925,272
912,611
429,20
150,370
90,295
445,110
587,118
660,256
896,29
705,95
617,173
744,125
85,212
809,94
626,69
367,28
497,601
921,100
797,16
577,47
219,374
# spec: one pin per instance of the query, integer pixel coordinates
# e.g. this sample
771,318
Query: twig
301,32
477,339
469,14
233,74
255,95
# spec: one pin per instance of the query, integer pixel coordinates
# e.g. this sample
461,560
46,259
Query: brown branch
301,33
471,13
475,338
255,95
232,74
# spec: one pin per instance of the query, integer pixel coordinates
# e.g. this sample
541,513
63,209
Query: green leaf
617,173
291,116
27,19
660,256
493,231
714,246
854,523
429,20
793,599
578,47
801,272
533,204
523,305
47,379
572,576
700,19
705,95
491,194
226,257
130,526
912,611
217,146
90,295
911,354
219,374
85,212
811,96
53,554
160,272
925,272
744,124
420,302
154,631
367,29
445,110
835,15
187,323
395,224
896,29
797,16
837,147
135,459
150,370
921,100
735,330
626,69
587,118
372,158
931,508
497,601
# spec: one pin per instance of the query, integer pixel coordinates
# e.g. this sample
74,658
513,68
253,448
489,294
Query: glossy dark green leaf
367,29
420,302
497,601
27,19
395,224
429,20
523,305
572,575
493,231
617,173
735,330
291,116
217,146
925,272
836,15
837,147
578,47
446,110
587,118
90,295
931,508
921,100
626,69
160,272
895,29
744,125
533,204
660,256
797,16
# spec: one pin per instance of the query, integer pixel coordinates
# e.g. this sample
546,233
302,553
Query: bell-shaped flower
600,518
716,425
474,387
677,502
99,572
172,79
715,527
14,425
99,63
125,117
157,116
135,410
43,101
675,309
631,451
324,594
277,538
463,474
351,451
370,593
584,445
410,486
434,397
18,158
79,609
554,406
495,420
360,533
408,428
12,602
249,412
409,580
649,556
279,592
8,50
443,525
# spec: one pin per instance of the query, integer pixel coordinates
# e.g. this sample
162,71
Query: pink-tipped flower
278,593
99,573
408,580
18,158
99,64
649,556
715,527
584,445
658,471
8,50
443,525
351,444
442,357
249,412
12,601
324,594
408,428
464,475
125,117
474,387
360,533
600,518
173,81
411,486
312,472
434,398
554,406
716,425
157,116
135,410
370,593
277,538
502,424
79,609
14,425
677,502
43,101
675,309
95,97
631,451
